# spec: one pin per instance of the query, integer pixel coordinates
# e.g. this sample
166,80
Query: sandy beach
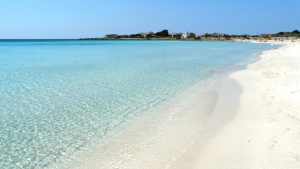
251,120
150,85
263,131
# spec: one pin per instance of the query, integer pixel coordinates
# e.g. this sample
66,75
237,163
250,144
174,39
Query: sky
69,19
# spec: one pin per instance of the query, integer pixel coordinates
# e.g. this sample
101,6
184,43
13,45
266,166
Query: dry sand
255,123
264,131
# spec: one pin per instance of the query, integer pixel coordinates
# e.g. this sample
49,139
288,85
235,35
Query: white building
174,35
187,34
144,34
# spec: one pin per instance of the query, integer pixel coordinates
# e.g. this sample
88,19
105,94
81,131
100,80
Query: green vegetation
111,36
288,34
135,36
162,34
192,35
227,36
207,35
296,31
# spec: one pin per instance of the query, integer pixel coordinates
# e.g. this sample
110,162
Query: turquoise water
59,98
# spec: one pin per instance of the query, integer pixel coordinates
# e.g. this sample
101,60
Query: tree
280,33
207,35
192,35
244,36
227,36
295,31
135,36
111,35
149,35
163,33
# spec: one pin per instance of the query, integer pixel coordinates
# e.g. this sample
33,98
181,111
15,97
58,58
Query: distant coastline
164,39
189,36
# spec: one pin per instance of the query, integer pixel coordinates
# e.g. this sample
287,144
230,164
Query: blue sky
34,19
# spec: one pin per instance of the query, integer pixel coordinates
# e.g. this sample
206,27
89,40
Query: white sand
255,123
265,130
158,138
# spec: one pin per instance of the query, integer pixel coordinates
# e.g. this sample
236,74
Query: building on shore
146,34
175,35
252,37
266,36
186,35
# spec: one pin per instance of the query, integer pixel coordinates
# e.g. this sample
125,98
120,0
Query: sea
61,98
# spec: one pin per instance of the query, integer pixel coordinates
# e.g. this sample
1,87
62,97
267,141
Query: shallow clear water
58,98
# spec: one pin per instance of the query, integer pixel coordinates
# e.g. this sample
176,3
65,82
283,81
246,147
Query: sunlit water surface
59,98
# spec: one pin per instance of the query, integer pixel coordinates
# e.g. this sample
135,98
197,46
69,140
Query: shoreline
147,143
159,39
264,126
180,124
181,137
